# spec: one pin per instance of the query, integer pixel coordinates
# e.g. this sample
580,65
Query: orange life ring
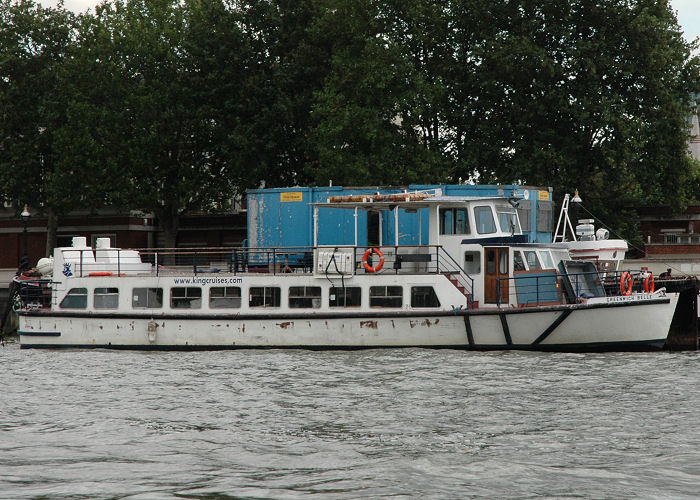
376,268
649,283
626,283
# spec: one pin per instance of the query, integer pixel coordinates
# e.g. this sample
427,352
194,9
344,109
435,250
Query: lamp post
24,262
576,200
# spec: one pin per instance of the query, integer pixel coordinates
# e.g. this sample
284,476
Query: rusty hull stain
285,324
425,322
368,324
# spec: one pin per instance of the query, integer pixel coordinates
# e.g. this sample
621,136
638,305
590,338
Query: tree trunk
51,229
169,222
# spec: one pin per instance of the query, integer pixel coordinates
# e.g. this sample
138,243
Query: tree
146,99
375,119
34,43
587,94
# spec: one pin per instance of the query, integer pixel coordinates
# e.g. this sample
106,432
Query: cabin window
76,298
186,297
472,262
147,298
264,296
385,296
350,296
518,262
222,297
491,262
500,259
532,262
547,261
304,297
484,220
424,296
453,221
446,221
508,219
106,298
503,263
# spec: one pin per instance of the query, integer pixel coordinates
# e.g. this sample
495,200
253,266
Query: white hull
619,325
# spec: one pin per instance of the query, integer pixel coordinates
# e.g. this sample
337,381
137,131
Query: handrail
401,259
568,287
460,274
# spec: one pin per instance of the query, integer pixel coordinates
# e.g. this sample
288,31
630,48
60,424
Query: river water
398,423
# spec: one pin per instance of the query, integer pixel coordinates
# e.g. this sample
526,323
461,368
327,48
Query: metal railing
409,259
34,293
546,288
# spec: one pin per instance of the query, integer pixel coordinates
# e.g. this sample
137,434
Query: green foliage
149,104
34,42
376,119
586,94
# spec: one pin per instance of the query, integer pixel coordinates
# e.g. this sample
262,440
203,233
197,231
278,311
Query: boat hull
611,326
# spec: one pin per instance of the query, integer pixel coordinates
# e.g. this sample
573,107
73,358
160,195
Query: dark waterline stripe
39,334
636,346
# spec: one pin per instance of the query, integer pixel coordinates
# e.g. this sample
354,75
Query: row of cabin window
300,297
456,220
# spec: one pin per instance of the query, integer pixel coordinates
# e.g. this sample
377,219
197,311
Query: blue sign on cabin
283,217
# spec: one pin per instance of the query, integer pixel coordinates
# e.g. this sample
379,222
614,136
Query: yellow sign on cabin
543,195
291,196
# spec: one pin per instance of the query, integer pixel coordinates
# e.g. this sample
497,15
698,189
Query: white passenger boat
476,284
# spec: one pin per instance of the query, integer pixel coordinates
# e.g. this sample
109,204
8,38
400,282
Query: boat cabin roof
368,203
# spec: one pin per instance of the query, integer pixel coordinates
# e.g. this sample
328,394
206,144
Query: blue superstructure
283,217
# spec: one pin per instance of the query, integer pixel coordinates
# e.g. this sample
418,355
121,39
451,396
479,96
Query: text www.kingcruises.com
208,281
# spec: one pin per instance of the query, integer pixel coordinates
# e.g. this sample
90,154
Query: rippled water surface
380,423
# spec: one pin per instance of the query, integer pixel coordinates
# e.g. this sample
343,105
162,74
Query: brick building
668,235
125,230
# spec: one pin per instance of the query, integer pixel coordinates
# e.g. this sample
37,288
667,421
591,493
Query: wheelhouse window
424,296
222,297
304,297
264,296
345,297
483,217
546,259
186,297
518,261
147,298
532,263
508,219
472,262
106,298
454,221
385,296
76,298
